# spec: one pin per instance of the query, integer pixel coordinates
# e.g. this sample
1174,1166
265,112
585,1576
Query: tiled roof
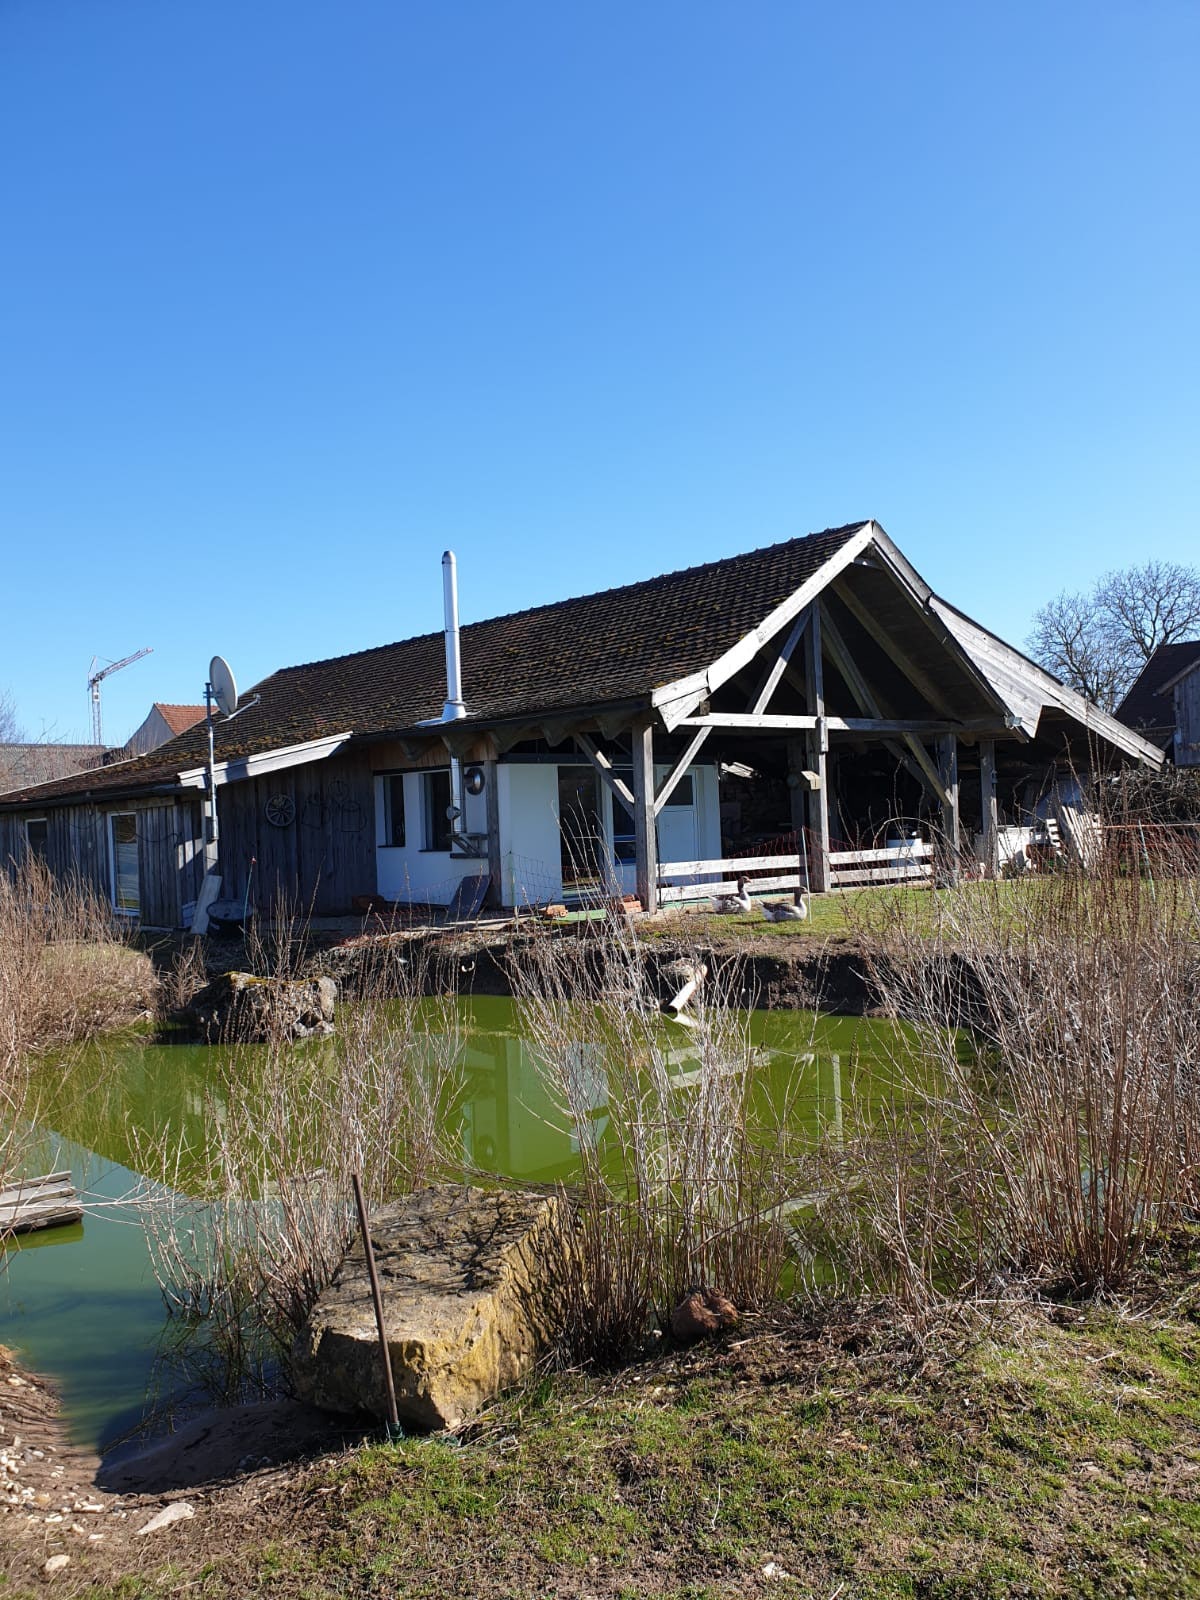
599,649
1145,707
179,718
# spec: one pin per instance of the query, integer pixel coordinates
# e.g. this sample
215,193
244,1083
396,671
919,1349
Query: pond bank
777,973
1017,1448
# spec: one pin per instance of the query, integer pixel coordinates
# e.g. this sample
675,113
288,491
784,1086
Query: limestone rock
701,1313
177,1511
249,1009
469,1279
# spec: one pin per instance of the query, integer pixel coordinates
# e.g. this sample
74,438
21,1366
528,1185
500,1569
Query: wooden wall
316,862
170,853
1187,720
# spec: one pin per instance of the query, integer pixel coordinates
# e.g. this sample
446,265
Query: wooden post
947,748
491,795
818,749
645,837
987,795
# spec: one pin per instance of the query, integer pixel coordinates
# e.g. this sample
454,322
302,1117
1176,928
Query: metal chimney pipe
453,708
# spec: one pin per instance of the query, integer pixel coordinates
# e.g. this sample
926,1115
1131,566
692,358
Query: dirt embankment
789,974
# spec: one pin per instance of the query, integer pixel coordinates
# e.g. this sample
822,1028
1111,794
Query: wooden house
1163,702
591,747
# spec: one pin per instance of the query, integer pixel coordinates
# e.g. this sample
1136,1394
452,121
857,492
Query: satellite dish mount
221,691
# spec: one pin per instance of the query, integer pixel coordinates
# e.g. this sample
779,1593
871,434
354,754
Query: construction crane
94,680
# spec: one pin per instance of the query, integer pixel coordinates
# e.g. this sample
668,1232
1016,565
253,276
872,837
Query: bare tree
1098,642
10,730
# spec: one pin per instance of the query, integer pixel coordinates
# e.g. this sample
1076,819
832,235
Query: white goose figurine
785,911
739,903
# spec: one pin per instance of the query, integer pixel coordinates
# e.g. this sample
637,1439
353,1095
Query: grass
1051,1451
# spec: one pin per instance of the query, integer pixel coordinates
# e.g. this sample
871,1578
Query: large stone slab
470,1281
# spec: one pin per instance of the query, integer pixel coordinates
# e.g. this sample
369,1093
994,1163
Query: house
1163,702
591,745
162,722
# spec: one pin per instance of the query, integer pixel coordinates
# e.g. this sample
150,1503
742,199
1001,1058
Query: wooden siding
78,850
1187,720
316,862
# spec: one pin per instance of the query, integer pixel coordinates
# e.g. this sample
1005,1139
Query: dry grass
66,974
1070,1134
242,1262
689,1183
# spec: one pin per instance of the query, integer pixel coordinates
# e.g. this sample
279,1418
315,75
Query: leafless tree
1098,642
10,729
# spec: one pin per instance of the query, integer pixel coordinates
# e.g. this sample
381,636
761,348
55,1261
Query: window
435,802
681,794
393,810
123,833
36,834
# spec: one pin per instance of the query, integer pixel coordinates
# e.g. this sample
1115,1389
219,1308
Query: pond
82,1305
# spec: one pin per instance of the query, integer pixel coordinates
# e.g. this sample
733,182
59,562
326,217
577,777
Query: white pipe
453,708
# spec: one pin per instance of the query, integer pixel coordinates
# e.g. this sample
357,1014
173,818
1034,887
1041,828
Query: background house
162,722
590,754
1163,702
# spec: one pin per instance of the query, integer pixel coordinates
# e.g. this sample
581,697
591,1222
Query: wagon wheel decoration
280,810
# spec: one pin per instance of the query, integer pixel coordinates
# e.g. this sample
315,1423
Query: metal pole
210,842
385,1353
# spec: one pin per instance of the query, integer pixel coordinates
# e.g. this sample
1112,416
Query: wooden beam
818,745
778,667
617,787
645,836
772,722
491,793
991,820
948,772
748,646
917,759
916,675
677,771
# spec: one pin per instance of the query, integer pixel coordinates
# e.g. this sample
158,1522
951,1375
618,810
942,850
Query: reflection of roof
1145,706
179,718
606,648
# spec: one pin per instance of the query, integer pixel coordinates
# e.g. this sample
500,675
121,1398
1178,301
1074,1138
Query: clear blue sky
296,293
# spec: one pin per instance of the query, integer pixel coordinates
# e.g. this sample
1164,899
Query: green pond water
81,1304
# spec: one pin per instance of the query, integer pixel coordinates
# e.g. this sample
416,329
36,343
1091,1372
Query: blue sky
295,295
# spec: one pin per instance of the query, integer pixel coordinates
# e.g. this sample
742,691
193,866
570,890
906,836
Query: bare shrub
1056,1140
271,1212
67,973
684,1174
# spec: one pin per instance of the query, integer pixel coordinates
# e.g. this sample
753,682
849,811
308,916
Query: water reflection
82,1304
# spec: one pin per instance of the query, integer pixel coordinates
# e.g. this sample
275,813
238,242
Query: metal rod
385,1353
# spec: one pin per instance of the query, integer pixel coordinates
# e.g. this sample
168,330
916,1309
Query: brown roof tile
598,649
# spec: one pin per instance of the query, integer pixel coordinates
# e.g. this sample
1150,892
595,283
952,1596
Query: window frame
33,850
435,827
136,909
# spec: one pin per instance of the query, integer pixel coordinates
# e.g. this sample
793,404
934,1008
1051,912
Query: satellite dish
224,688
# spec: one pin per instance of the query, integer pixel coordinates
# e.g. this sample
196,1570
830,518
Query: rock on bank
470,1281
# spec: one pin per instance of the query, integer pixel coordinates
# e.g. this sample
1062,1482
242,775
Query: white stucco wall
410,873
530,842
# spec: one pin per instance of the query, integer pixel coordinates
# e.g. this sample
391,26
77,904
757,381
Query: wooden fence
700,880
